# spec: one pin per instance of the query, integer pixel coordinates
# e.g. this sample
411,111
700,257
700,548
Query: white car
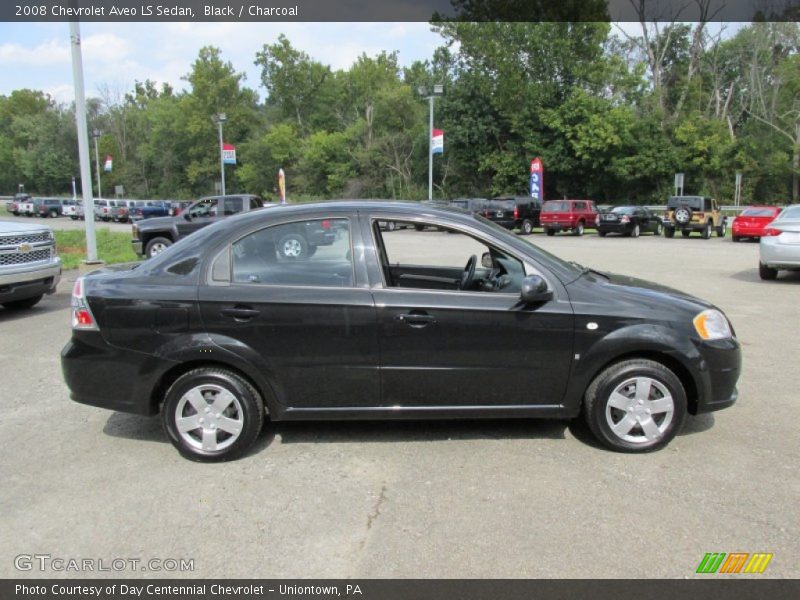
779,248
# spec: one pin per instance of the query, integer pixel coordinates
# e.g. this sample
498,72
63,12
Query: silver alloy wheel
682,215
640,410
292,248
157,248
208,417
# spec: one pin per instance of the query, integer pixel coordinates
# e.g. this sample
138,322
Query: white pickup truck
29,264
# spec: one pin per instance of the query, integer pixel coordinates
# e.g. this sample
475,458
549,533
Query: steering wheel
469,273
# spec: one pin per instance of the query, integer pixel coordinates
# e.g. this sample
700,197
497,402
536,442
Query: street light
438,89
219,119
96,133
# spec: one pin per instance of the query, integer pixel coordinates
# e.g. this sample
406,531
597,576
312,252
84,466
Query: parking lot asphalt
420,499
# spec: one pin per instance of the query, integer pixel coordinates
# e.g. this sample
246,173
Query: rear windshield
503,204
623,210
693,202
555,206
758,212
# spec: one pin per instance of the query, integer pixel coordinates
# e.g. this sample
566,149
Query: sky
115,55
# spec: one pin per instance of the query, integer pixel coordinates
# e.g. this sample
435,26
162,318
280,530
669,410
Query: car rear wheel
579,228
722,229
550,232
635,231
669,232
23,304
212,414
767,273
601,233
736,238
658,228
686,232
527,227
53,214
156,246
635,406
707,231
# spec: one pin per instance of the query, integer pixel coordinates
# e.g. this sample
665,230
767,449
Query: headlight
712,325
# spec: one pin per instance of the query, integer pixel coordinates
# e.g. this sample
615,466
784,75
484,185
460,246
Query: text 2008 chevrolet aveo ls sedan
453,318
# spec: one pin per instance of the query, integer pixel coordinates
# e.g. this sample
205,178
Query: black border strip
398,10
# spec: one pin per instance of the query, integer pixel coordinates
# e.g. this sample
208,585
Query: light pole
219,119
96,133
437,91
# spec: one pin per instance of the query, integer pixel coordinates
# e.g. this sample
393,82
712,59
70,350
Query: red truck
567,215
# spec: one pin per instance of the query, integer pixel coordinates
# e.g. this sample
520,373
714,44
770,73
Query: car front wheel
156,246
635,406
722,229
212,414
293,246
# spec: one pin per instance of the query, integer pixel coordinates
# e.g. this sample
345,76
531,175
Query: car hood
157,223
16,227
629,295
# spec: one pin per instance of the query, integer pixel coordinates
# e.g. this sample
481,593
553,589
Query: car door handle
416,320
240,313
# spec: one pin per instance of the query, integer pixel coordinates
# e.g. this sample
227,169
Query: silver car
779,248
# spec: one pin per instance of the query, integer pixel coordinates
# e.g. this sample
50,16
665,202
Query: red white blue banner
108,164
228,154
537,179
437,142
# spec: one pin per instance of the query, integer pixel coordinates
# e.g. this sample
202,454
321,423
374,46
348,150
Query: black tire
156,246
550,232
53,214
527,227
247,409
23,304
767,273
602,233
658,228
635,231
579,229
669,232
735,238
722,229
419,227
686,232
73,217
598,412
706,233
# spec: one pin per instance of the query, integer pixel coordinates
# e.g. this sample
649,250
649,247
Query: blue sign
536,185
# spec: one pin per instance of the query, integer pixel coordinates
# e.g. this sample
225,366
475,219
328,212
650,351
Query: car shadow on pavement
48,304
751,276
135,427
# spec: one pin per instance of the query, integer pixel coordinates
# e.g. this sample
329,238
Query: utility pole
83,141
96,133
437,91
219,119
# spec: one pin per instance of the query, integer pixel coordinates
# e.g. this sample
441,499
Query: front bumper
718,371
30,282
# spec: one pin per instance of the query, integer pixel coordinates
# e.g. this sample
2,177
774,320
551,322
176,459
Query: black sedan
464,320
628,220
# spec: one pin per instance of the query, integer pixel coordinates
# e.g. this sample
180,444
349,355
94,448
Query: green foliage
584,100
112,247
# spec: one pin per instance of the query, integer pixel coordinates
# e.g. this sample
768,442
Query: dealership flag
108,164
437,141
282,185
228,154
537,179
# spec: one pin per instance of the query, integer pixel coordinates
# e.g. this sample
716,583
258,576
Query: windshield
623,210
793,213
555,206
758,212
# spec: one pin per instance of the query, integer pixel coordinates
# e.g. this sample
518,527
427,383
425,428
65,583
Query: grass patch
112,247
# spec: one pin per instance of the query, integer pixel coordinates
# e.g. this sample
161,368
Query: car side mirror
535,290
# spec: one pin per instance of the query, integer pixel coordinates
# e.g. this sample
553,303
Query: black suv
514,212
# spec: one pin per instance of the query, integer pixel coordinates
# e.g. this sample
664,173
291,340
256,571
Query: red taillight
326,224
516,213
82,317
771,231
625,219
